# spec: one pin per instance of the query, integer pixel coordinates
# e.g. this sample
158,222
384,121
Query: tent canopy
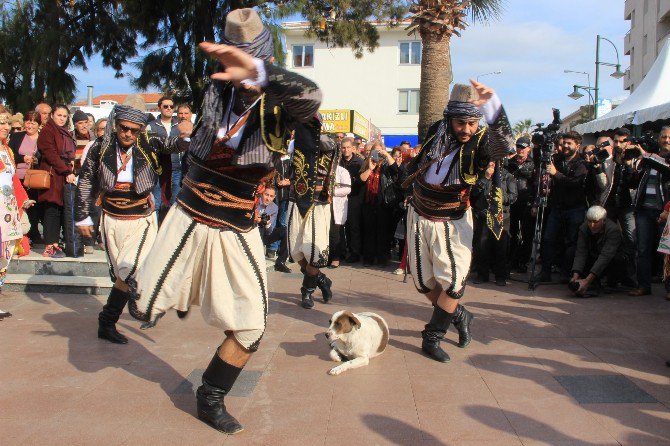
650,100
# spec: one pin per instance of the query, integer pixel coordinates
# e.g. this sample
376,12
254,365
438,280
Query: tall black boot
308,286
217,381
434,333
109,316
461,320
324,284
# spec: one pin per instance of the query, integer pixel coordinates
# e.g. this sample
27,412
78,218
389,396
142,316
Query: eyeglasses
126,129
167,106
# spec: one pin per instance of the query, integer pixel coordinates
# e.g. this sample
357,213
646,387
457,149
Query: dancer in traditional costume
315,161
120,171
209,251
439,221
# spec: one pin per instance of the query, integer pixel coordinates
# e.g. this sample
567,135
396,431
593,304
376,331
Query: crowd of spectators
602,211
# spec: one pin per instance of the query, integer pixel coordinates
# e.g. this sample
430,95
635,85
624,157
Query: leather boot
462,320
217,381
109,316
309,284
434,333
324,284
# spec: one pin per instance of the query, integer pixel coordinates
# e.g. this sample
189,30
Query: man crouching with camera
267,218
599,253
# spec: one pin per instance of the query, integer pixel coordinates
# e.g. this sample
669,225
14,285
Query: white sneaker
399,271
88,250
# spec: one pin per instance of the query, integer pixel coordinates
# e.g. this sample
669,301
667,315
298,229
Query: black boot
309,284
434,333
109,316
462,320
324,284
217,381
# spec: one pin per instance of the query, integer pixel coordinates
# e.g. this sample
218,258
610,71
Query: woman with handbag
380,198
24,148
57,147
11,231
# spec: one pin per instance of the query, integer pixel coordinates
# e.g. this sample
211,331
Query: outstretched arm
500,131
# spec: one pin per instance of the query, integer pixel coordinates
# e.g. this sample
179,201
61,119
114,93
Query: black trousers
521,231
35,215
277,234
336,241
377,232
353,225
490,253
53,220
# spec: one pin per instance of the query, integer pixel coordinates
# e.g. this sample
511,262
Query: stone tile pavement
60,385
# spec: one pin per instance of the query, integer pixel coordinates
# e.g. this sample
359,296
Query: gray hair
596,213
664,128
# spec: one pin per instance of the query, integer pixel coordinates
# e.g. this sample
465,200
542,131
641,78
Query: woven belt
440,204
125,203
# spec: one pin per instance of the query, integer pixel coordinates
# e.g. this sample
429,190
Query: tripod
542,194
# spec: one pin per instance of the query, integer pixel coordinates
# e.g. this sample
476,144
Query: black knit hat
79,116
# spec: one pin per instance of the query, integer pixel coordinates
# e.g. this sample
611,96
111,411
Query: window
645,44
303,56
410,53
408,101
632,19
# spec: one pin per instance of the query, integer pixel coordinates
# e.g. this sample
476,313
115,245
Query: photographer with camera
651,180
610,182
266,219
567,205
599,253
522,167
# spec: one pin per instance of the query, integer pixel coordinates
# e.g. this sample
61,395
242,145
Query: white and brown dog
355,338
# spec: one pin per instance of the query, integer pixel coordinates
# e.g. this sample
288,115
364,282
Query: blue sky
533,43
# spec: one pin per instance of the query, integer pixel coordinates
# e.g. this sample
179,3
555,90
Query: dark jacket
611,184
567,186
157,129
602,246
482,189
523,173
283,171
639,182
51,145
353,166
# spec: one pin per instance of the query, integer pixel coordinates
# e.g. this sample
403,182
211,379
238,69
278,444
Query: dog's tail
385,330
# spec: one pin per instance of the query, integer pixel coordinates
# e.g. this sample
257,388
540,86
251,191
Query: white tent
649,102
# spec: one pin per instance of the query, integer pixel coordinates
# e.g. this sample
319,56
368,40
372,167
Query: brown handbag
37,179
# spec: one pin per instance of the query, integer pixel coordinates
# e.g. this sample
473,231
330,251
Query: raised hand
237,65
485,93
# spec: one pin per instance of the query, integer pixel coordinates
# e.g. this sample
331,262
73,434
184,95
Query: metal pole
596,91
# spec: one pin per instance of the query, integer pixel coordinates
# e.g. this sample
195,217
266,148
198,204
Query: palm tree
437,21
522,127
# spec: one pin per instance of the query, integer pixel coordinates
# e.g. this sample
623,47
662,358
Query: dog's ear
354,320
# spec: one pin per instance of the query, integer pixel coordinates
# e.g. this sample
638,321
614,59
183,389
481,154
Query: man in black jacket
282,184
567,205
353,163
598,252
521,220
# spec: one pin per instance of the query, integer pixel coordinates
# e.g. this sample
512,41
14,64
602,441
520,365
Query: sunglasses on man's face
168,106
126,129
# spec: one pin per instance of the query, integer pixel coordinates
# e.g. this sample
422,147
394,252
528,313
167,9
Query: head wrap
460,104
127,113
245,30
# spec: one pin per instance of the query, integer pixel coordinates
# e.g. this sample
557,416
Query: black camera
647,141
265,219
545,138
600,153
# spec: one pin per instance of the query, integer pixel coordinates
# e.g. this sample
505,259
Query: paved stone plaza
543,369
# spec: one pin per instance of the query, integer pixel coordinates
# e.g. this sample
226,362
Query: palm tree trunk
436,76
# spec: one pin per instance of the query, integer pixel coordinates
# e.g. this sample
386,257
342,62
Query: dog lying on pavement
355,338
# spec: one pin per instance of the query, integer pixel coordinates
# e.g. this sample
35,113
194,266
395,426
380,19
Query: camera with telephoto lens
545,137
646,141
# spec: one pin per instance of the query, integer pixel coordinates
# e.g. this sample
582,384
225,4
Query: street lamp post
588,82
618,74
576,94
487,74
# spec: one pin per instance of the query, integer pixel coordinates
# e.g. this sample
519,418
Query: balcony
626,44
628,9
663,10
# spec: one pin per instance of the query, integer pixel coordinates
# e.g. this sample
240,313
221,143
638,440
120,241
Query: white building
649,25
382,86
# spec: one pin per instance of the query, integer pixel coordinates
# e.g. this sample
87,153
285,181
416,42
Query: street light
487,74
618,74
588,81
576,94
